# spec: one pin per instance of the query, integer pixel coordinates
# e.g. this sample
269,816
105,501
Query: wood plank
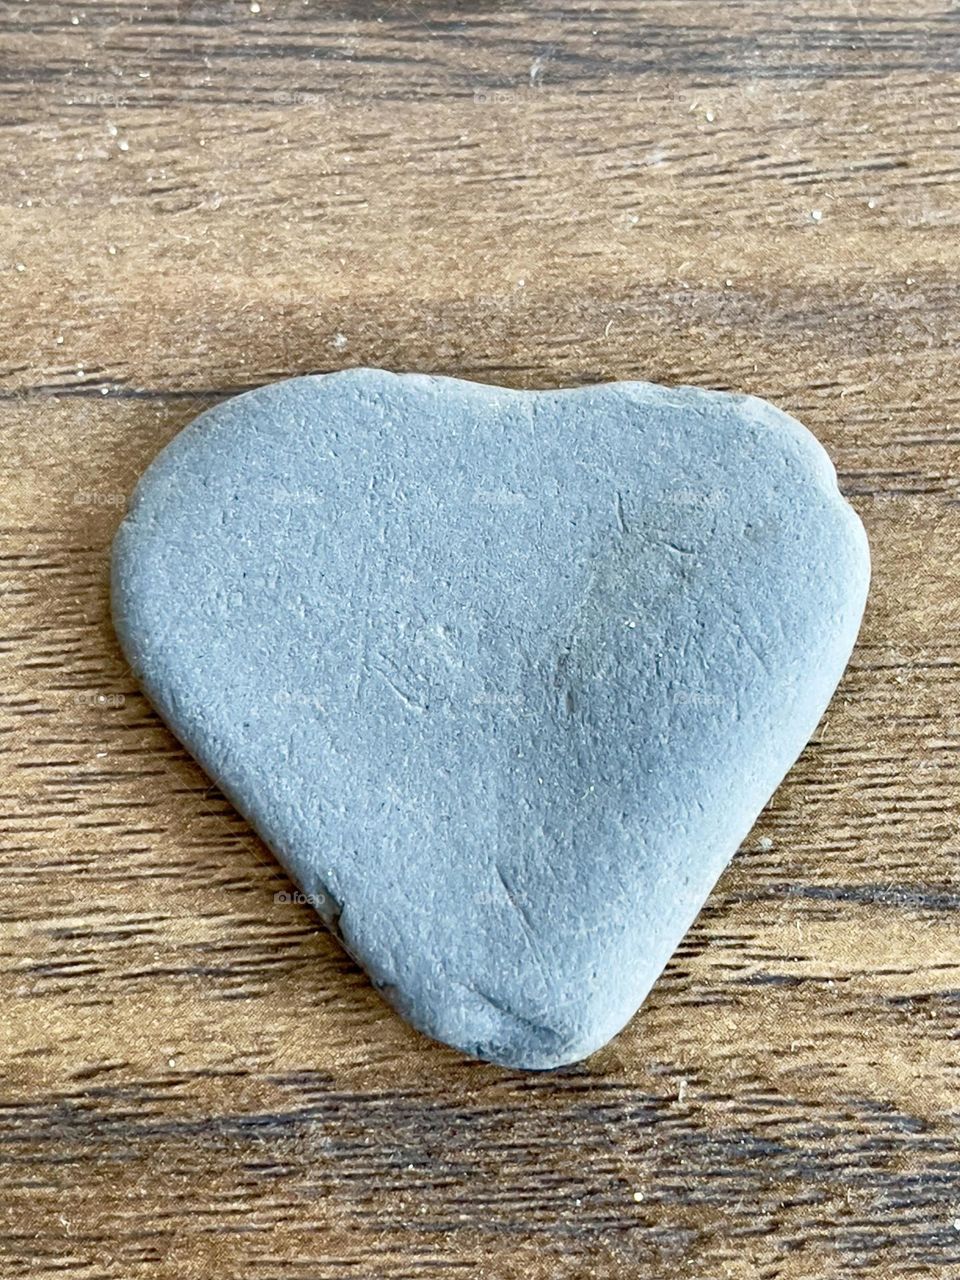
199,197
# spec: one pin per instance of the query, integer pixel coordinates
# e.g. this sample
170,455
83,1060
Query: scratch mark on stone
621,518
522,915
757,654
560,674
410,703
540,1029
680,551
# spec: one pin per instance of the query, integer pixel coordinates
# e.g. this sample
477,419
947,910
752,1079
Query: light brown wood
199,197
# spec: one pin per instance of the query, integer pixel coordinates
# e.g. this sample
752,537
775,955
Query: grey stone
503,678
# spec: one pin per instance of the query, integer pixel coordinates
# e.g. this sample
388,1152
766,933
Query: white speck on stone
123,144
59,339
111,248
254,8
20,266
710,117
339,341
871,204
75,21
765,844
682,1091
729,283
816,215
638,1196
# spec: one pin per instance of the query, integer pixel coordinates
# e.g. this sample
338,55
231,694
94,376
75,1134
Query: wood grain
199,197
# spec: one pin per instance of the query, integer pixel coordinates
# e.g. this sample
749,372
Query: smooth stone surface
503,678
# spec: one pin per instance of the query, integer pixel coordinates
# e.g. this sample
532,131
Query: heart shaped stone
503,678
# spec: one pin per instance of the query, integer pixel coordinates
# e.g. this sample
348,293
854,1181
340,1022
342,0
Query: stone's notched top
502,677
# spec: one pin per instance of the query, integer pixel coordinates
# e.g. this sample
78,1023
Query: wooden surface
199,197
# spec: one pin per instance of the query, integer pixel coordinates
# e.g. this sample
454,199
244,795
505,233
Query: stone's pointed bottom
503,678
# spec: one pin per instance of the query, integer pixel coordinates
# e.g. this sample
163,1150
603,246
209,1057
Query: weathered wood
199,197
